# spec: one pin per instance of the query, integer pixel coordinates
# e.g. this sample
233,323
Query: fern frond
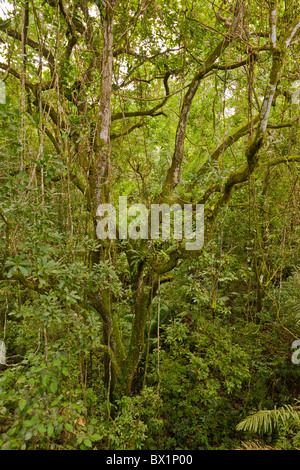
266,421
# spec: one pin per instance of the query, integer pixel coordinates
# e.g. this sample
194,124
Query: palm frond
266,421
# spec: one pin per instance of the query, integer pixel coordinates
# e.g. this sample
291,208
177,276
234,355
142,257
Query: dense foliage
142,344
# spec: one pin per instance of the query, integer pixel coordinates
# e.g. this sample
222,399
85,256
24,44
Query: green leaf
53,387
50,430
41,428
31,382
12,430
11,272
22,404
24,271
69,427
87,442
45,380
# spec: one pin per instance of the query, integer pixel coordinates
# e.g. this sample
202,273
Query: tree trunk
100,193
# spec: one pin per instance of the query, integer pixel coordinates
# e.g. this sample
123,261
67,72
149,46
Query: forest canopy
140,342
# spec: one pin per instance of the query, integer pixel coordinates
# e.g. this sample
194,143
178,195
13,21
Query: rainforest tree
164,102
